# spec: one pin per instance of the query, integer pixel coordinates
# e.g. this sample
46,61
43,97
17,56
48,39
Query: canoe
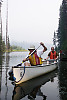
32,86
22,74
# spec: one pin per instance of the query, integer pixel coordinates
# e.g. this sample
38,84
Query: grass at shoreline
14,50
19,50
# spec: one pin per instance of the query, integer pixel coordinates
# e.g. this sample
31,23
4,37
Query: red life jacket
37,58
53,55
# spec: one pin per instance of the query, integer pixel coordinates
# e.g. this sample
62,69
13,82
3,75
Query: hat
32,47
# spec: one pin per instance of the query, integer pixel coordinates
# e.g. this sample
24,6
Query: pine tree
62,29
0,43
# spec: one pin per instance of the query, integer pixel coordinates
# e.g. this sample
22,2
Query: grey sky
31,20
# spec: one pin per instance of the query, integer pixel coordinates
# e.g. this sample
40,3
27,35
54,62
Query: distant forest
62,28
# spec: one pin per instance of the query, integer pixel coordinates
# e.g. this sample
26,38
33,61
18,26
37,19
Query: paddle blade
19,64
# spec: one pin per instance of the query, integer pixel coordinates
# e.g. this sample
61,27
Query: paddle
29,55
49,60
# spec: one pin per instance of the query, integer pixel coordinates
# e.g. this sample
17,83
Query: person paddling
53,54
35,58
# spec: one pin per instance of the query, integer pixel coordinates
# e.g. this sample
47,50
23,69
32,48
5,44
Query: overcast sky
31,20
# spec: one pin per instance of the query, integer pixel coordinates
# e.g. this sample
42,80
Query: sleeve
49,54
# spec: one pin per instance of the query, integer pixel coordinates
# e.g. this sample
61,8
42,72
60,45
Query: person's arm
57,57
45,48
48,56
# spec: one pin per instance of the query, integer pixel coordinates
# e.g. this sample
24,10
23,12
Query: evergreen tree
0,43
62,29
8,43
3,46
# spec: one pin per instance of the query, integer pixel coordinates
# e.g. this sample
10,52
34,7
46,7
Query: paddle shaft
29,55
50,60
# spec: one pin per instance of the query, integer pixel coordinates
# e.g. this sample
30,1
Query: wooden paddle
48,60
29,55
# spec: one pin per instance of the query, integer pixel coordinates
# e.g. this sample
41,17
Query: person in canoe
34,58
53,55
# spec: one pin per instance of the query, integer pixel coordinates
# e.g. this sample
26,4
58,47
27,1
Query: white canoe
22,74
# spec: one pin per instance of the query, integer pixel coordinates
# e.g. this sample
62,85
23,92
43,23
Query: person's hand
44,59
42,43
24,60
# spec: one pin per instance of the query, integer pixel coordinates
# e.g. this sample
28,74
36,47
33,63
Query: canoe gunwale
34,66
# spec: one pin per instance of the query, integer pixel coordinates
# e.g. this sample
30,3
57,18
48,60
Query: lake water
52,86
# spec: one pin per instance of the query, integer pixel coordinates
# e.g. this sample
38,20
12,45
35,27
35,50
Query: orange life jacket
35,60
53,55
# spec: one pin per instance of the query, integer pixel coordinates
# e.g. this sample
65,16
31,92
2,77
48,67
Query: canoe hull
31,72
26,88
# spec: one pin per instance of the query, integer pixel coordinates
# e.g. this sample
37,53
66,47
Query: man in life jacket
35,58
52,55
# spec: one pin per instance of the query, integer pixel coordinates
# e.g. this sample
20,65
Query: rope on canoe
21,76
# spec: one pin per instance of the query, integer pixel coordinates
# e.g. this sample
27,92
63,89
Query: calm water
52,86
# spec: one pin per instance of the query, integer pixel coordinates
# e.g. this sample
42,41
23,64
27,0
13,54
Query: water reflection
36,92
4,63
7,65
0,70
63,80
6,70
32,88
1,61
